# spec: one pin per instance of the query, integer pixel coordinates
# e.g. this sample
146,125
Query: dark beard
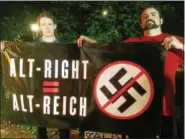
152,26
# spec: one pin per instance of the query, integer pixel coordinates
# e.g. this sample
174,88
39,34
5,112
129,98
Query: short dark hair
46,14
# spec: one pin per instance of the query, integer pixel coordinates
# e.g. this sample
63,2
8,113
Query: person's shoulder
180,38
131,39
168,34
37,40
40,40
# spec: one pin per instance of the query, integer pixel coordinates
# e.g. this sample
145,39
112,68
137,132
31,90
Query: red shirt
173,59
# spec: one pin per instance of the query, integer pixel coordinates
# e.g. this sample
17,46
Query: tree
84,17
17,27
123,19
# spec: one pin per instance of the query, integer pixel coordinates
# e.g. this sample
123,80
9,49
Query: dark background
75,18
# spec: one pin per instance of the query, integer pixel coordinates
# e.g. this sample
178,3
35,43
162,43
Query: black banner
114,88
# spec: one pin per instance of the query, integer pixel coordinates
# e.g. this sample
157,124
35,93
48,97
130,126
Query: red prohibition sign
123,90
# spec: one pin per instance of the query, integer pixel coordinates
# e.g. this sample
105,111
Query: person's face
150,19
47,27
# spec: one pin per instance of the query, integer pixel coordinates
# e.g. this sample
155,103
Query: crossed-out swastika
123,90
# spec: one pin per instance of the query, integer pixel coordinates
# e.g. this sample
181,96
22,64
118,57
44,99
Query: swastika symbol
129,99
123,90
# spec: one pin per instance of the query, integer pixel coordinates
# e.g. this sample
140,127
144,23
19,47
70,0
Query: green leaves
17,27
85,17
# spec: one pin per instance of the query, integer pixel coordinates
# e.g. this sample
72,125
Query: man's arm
175,44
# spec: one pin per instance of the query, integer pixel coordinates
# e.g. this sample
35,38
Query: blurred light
34,27
104,12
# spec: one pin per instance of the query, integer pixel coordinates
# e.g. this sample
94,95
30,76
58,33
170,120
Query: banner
114,88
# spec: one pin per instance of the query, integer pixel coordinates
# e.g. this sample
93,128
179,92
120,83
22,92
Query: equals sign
50,87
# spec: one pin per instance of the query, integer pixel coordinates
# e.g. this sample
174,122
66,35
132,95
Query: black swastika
115,83
129,99
128,103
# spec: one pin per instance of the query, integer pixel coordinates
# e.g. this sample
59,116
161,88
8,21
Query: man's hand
83,40
172,42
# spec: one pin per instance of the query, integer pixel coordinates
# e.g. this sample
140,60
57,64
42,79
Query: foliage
85,17
122,21
75,18
17,27
28,127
